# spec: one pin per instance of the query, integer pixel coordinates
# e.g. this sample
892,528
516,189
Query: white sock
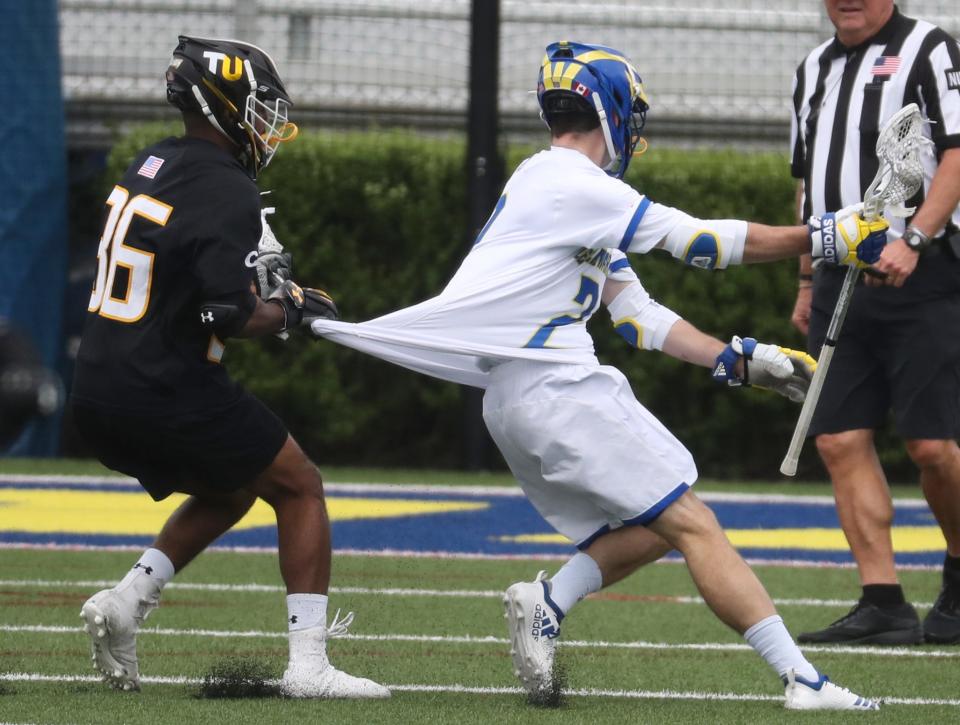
576,579
770,638
149,575
306,610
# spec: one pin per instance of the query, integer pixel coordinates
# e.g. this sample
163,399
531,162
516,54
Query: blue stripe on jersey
619,264
634,223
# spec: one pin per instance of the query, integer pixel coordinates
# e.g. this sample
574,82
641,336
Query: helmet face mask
237,88
608,81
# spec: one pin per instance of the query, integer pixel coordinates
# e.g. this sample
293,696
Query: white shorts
587,454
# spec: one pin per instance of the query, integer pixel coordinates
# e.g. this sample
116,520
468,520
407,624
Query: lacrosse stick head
900,173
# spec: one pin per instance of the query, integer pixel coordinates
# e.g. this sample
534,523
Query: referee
900,350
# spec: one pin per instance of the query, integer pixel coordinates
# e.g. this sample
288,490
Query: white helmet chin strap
611,150
208,112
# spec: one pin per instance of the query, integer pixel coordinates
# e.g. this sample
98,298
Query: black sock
885,596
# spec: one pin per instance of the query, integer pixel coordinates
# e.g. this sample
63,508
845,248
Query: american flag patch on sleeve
150,167
885,65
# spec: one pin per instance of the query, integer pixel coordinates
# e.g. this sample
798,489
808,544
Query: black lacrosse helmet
237,87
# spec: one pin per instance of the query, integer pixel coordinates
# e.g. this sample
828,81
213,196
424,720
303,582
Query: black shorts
224,448
893,354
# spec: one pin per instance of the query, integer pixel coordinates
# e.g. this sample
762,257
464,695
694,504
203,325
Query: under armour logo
293,619
148,569
206,317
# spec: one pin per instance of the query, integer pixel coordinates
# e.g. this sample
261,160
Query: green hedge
378,220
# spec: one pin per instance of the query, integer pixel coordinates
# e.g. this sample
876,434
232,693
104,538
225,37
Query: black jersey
181,228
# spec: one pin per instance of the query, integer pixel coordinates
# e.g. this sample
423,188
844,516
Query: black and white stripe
840,105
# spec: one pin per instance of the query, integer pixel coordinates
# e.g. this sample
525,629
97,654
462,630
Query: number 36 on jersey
113,253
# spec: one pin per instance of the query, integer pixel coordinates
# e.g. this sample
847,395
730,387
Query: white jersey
531,281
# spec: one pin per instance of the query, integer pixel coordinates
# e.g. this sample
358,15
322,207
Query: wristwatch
915,239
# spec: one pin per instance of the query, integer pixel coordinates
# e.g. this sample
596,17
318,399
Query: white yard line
394,592
471,690
470,639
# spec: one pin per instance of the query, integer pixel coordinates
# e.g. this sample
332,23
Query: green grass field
646,650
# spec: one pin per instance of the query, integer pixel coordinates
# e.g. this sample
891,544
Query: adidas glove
845,237
780,369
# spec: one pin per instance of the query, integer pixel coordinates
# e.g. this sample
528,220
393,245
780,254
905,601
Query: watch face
914,240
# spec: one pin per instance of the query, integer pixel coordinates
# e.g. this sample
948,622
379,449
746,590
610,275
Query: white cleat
112,622
310,674
802,694
534,627
329,683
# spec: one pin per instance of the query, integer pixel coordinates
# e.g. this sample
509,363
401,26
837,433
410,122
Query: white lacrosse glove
273,266
780,369
845,237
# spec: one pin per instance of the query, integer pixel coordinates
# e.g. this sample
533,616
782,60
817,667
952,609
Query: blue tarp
33,189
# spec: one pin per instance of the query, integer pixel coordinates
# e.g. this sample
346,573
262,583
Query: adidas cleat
534,625
802,694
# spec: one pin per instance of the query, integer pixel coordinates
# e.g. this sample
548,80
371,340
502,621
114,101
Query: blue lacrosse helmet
609,84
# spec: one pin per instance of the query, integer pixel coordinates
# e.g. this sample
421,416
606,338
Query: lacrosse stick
898,178
269,244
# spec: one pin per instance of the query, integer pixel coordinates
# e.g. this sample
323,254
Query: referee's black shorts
224,448
899,350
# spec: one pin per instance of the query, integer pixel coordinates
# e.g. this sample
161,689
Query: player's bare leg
623,551
199,521
734,593
939,464
726,583
113,616
294,489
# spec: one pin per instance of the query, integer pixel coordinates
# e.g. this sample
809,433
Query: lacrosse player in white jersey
593,461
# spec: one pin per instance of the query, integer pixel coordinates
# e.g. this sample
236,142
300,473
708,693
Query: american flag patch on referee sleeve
885,65
150,167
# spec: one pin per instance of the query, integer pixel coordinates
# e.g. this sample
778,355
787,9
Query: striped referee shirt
843,96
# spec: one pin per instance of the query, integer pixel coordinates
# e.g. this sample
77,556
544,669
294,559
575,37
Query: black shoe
942,623
869,624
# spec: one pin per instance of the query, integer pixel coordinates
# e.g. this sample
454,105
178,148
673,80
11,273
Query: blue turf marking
480,532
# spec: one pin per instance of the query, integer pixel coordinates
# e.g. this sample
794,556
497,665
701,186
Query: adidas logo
543,625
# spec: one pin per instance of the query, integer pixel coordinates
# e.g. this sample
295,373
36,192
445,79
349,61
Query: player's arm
842,237
644,323
248,316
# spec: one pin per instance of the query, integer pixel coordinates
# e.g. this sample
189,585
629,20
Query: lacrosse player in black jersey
182,267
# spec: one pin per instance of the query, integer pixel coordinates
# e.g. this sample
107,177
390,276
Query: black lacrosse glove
303,305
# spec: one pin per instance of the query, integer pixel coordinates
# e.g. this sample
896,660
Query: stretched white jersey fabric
532,279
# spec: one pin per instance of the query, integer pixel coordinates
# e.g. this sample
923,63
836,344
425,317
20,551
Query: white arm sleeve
640,320
707,243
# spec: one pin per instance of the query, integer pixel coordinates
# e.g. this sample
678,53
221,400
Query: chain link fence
717,71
